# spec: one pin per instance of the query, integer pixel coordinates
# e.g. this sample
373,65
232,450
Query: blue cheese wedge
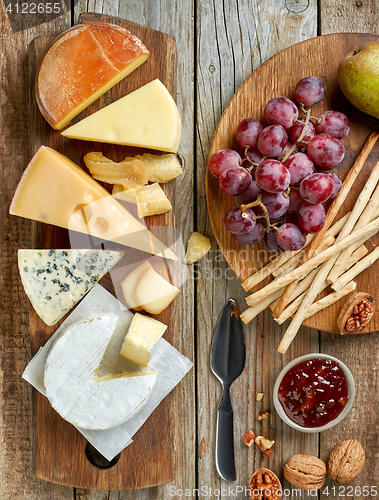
55,280
72,386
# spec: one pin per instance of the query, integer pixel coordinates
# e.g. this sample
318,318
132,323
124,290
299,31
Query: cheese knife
227,363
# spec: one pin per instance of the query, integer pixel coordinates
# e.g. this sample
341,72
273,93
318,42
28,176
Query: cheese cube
198,245
143,334
151,200
154,293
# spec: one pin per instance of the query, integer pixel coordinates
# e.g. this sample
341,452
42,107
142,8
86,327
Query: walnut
264,415
264,443
346,461
356,313
265,485
305,471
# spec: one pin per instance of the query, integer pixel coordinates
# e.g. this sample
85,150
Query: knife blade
227,363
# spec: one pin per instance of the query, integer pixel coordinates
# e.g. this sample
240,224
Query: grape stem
307,118
257,203
253,164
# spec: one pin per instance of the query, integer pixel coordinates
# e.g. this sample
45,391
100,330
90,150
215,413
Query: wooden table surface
219,45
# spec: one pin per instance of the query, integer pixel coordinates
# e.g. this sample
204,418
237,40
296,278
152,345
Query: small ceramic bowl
332,423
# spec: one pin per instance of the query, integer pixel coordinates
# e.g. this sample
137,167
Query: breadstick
252,312
303,285
330,299
311,264
359,206
292,264
269,268
291,309
332,212
318,283
357,269
367,215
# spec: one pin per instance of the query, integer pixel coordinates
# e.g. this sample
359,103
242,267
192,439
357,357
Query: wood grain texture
59,450
176,19
16,475
234,38
319,56
358,353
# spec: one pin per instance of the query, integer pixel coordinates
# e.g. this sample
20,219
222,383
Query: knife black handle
225,440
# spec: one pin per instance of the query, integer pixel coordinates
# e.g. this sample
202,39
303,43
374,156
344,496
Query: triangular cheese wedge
71,385
147,118
55,280
56,191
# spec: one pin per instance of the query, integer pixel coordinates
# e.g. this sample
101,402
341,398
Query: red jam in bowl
313,392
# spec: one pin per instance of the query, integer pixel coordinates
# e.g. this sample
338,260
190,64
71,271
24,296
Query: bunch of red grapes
281,175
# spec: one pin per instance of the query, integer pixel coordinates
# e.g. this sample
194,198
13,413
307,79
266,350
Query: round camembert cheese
71,384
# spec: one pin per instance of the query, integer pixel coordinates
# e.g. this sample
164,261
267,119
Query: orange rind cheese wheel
81,65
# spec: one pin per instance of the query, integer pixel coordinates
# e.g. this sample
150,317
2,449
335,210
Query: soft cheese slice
71,384
56,191
154,293
55,280
147,118
81,65
144,332
129,284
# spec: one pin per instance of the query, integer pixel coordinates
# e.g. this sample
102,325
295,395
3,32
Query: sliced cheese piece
151,200
126,192
55,280
147,118
161,168
56,191
81,65
144,332
130,283
71,384
154,293
198,245
130,170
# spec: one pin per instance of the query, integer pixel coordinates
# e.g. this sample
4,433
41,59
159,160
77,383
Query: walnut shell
305,471
264,484
346,461
347,312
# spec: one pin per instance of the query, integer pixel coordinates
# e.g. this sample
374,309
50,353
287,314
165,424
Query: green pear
358,76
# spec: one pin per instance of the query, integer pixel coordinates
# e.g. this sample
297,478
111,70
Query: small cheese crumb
198,245
259,396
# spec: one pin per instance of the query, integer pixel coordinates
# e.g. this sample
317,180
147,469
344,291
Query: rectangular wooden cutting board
58,448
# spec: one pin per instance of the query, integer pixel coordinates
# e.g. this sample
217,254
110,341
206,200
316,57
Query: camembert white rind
55,280
144,332
147,118
70,378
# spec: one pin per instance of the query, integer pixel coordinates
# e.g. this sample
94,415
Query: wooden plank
164,16
16,475
233,39
359,353
320,56
59,450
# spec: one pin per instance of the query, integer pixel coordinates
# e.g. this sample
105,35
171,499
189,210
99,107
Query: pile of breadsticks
334,256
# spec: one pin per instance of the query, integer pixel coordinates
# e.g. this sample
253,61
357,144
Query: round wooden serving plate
278,77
